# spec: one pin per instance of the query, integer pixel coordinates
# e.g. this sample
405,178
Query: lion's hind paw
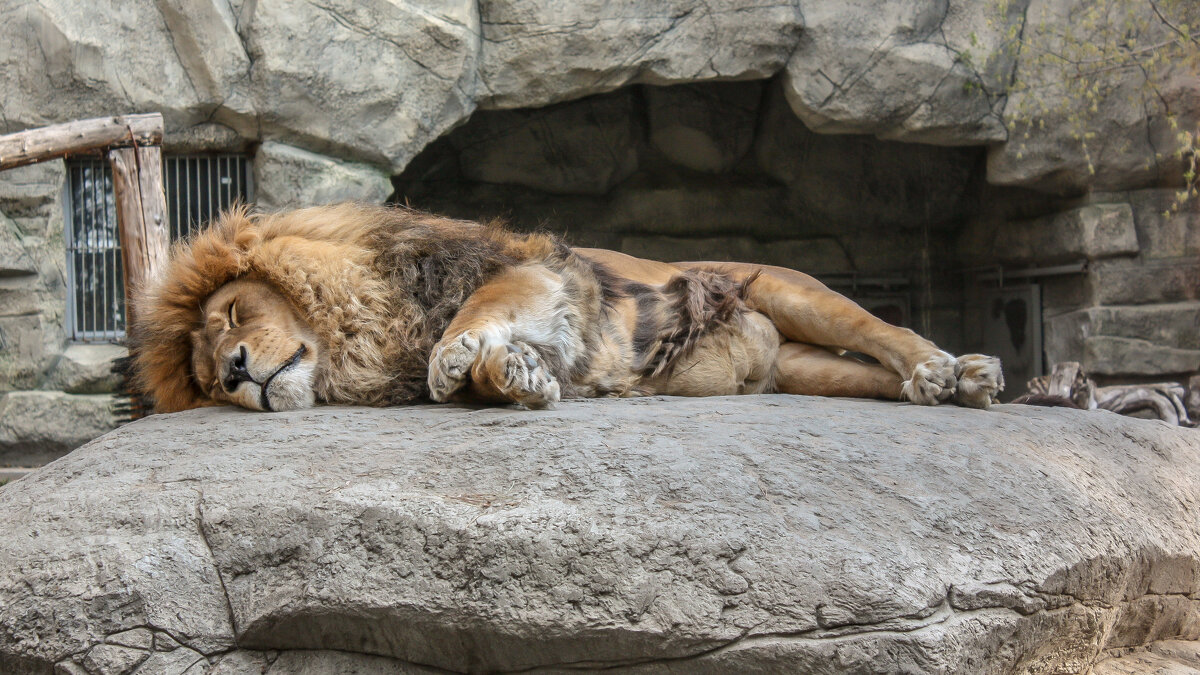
979,380
932,381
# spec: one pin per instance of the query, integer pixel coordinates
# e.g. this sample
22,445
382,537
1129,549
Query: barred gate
197,187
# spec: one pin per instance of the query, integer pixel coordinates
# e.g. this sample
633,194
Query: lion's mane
377,285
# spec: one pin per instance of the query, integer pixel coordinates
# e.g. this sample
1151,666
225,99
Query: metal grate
198,188
96,289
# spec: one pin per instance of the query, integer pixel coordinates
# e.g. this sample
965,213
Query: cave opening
721,171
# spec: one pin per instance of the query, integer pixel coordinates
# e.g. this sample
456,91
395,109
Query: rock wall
53,396
856,140
739,534
377,82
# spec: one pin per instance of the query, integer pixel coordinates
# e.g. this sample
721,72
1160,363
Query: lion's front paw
932,381
518,373
451,364
979,380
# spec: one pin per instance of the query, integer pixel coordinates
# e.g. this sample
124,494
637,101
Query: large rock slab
1086,233
770,533
914,71
39,426
1132,140
1155,339
289,177
65,60
535,53
367,80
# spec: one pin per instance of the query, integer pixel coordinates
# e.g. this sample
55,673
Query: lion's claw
511,371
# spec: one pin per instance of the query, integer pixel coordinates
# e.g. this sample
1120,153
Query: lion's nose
238,372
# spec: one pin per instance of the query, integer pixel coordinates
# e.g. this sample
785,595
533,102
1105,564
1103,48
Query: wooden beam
36,145
141,216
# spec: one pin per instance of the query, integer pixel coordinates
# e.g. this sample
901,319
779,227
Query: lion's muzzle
265,399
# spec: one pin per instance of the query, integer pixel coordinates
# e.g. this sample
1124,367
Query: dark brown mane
433,265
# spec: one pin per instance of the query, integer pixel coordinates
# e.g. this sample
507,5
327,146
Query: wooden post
141,216
37,145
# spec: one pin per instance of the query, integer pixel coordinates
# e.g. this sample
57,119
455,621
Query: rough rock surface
1166,338
1134,143
536,53
39,426
33,281
88,369
378,81
1086,233
289,177
897,69
769,533
585,147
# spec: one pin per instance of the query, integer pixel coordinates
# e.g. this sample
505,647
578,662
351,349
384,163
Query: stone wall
1133,314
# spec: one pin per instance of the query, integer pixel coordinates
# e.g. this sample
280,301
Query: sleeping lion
378,306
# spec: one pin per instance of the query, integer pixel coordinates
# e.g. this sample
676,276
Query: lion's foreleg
488,344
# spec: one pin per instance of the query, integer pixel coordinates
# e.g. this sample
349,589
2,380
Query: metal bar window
198,187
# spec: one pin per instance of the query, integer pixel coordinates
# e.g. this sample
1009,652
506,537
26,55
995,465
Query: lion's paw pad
451,364
932,381
524,377
979,380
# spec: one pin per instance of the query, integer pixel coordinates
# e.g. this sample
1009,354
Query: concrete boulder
767,533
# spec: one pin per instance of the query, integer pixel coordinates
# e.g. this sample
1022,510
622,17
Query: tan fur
382,306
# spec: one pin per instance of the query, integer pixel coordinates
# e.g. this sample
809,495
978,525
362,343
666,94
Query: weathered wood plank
141,215
36,145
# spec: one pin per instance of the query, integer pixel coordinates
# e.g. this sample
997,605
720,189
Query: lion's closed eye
233,321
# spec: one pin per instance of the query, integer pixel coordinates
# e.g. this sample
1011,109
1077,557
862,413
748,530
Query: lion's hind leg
979,380
807,312
815,371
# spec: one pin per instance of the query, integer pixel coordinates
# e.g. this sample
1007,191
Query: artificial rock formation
376,82
769,533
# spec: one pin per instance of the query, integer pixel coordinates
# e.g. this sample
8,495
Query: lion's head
252,349
265,311
336,304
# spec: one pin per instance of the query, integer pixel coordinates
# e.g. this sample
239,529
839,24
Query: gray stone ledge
776,533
